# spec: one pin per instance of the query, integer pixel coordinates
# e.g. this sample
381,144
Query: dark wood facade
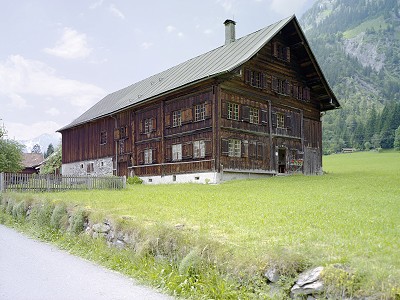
263,117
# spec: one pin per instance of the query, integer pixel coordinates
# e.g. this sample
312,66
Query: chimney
229,31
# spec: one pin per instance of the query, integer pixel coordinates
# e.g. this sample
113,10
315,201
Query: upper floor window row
255,78
253,115
285,87
186,115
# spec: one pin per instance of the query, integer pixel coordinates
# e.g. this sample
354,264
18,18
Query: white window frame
148,156
177,152
199,149
234,148
200,112
176,118
254,115
233,111
148,127
280,120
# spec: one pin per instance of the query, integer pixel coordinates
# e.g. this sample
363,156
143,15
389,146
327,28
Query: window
121,144
254,115
255,78
200,112
148,125
281,52
176,118
177,152
103,137
280,120
199,149
90,168
281,86
233,111
234,148
148,156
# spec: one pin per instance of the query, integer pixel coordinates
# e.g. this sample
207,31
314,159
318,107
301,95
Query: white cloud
25,132
170,28
116,12
18,102
52,111
20,76
287,7
146,45
180,34
94,5
71,45
208,31
227,5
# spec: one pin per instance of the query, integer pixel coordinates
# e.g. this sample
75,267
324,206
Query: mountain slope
357,44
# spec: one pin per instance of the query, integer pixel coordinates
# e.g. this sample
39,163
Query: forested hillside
357,44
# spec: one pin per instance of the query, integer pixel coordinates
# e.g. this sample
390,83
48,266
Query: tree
10,155
53,162
396,143
36,149
50,151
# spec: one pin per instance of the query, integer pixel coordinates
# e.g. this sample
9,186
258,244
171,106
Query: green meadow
349,216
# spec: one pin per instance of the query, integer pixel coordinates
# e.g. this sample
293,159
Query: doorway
282,160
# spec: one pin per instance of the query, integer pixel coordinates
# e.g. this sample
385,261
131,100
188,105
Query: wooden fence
55,183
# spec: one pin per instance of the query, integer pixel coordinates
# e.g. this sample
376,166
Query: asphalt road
32,270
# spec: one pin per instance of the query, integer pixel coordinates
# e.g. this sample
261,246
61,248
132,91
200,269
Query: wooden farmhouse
249,108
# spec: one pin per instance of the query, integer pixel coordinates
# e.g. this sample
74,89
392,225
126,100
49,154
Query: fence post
2,188
124,182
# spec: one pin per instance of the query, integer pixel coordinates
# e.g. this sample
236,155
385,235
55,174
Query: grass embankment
349,216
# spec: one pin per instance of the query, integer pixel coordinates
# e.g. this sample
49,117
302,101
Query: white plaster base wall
203,178
101,167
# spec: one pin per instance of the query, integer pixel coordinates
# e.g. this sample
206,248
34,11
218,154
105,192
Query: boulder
308,283
272,275
101,227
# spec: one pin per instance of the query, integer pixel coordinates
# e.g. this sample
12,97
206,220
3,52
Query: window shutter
247,76
224,109
245,113
153,124
245,148
167,120
275,83
287,87
295,91
306,94
275,49
252,149
187,150
208,110
116,134
141,126
288,122
168,153
224,147
153,156
187,115
263,80
141,158
288,54
264,117
208,147
273,120
260,150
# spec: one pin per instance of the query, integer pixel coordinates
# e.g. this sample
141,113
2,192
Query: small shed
31,162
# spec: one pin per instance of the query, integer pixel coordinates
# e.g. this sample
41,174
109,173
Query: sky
58,58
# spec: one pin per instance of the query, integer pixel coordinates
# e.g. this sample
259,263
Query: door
282,160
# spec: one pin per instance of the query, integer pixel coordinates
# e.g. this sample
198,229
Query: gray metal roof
218,61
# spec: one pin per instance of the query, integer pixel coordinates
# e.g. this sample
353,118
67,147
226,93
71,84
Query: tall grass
348,216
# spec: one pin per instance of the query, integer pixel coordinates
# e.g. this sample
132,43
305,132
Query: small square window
234,148
176,118
200,112
233,111
177,152
280,120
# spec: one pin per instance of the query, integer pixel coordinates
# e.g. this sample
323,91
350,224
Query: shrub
77,221
19,211
59,217
134,180
41,214
340,282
